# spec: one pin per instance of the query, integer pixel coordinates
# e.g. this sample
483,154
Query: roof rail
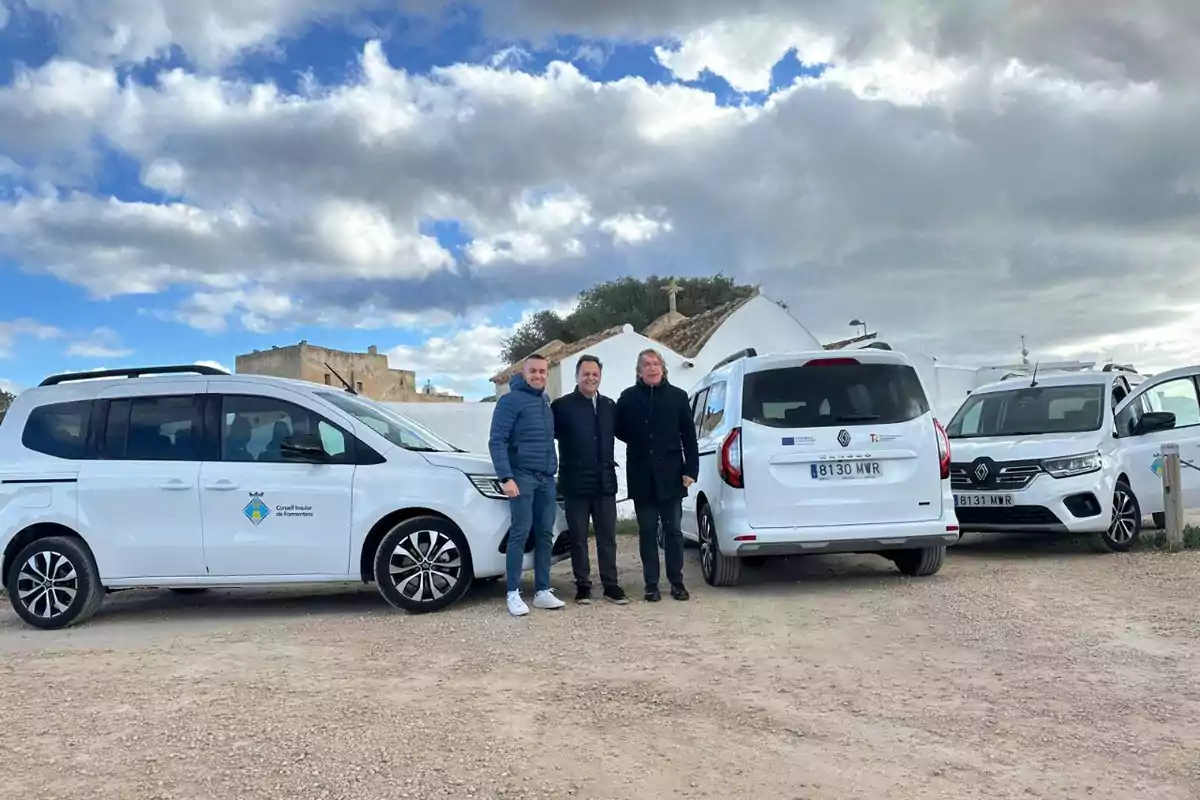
133,372
1120,368
749,352
877,346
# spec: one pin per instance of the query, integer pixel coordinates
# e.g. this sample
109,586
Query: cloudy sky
188,181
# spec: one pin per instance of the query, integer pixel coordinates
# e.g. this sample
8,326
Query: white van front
1040,455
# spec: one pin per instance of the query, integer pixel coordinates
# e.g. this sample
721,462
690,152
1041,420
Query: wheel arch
366,556
701,502
38,530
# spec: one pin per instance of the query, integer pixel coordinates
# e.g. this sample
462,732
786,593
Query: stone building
369,373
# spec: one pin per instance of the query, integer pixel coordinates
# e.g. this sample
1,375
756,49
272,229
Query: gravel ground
1026,669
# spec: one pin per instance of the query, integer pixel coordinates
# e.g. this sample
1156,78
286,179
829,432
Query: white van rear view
835,441
820,452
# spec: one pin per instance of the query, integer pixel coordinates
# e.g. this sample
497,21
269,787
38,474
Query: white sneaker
516,606
546,599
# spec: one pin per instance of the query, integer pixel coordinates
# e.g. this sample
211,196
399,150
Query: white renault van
1073,452
188,478
818,453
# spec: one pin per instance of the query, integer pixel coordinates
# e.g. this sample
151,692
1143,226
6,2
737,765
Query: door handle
174,486
221,486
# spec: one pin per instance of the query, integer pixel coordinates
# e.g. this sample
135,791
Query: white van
188,478
818,453
1073,452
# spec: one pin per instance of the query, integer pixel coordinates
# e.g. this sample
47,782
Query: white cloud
9,386
101,343
461,361
4,14
633,228
16,329
1041,160
214,364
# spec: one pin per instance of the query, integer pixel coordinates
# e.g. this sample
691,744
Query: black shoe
583,595
652,595
615,594
679,592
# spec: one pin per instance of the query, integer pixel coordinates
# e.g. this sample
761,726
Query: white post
1172,496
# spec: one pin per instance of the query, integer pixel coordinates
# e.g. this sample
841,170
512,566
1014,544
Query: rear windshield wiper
858,418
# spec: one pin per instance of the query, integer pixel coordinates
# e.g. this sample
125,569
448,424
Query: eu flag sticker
789,441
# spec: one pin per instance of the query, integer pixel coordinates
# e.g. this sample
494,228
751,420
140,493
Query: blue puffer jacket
522,438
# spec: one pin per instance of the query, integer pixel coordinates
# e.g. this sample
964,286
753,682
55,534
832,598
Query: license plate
845,470
983,500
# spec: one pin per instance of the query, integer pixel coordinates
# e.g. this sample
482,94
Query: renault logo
844,438
981,473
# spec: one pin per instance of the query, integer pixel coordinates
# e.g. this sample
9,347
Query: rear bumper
841,538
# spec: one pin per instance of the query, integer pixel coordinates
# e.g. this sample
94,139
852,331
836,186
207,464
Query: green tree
620,301
6,399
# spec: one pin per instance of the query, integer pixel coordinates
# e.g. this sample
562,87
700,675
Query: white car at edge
193,481
822,452
1073,452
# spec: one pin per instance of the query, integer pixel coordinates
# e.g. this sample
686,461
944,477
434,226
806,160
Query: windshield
1029,411
396,428
824,395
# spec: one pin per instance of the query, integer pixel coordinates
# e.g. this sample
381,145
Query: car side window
58,429
714,409
155,428
254,429
698,408
1178,396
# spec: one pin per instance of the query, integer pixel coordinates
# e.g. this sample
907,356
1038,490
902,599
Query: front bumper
1082,504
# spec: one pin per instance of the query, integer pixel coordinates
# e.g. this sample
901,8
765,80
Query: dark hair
585,358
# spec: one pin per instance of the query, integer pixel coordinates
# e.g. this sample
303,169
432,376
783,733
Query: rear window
58,429
1028,411
822,396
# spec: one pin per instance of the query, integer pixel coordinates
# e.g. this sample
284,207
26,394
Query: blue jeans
534,509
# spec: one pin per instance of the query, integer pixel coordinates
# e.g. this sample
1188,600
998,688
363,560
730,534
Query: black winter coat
655,422
585,444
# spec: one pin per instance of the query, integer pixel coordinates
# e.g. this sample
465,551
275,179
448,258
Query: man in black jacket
583,424
654,419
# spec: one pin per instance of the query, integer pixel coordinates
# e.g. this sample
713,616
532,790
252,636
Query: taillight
730,466
943,450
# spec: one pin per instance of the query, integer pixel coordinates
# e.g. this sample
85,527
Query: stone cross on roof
672,289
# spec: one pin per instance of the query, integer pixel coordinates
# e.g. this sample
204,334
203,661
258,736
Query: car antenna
1033,382
349,388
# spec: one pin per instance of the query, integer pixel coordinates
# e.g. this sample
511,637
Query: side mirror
304,447
1154,421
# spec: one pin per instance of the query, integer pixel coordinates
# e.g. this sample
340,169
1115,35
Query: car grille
1010,477
1016,516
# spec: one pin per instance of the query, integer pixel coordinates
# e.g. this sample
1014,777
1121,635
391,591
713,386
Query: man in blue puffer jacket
523,455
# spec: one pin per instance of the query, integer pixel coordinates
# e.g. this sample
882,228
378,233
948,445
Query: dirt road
1025,669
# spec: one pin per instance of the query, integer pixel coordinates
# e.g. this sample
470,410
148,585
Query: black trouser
649,514
602,511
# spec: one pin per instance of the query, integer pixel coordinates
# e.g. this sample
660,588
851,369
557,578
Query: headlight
488,486
1070,466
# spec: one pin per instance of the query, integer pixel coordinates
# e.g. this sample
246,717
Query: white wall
760,323
469,424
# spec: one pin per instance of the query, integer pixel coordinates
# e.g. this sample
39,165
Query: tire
419,585
74,594
186,590
717,569
1125,527
921,562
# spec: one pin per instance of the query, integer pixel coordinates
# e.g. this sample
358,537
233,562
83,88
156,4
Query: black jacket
585,444
655,422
